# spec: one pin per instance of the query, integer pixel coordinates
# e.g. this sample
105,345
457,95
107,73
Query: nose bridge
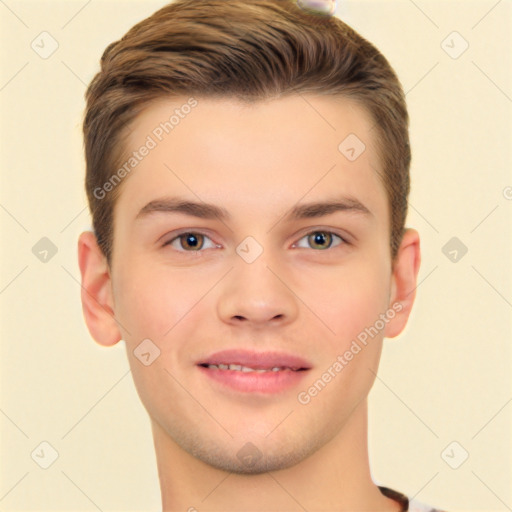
254,291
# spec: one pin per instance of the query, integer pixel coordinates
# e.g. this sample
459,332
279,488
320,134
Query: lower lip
254,382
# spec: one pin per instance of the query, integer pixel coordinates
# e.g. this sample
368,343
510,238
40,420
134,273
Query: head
247,106
252,51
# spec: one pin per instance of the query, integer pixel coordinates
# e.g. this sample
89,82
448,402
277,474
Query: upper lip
256,360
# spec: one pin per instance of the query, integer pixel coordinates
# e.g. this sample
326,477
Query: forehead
268,153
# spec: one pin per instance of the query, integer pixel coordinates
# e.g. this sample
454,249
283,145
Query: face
246,229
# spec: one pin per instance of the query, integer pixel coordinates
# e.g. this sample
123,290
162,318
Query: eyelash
177,237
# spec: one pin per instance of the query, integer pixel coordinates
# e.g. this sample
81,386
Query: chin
249,459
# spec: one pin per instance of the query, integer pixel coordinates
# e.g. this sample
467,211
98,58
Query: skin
303,298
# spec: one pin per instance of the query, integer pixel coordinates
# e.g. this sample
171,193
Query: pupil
320,238
192,240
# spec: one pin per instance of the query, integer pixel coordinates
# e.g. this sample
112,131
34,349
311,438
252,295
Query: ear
97,297
403,282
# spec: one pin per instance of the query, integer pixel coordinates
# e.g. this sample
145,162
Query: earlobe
404,282
96,294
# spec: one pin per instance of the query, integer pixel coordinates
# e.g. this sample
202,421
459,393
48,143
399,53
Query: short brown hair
251,50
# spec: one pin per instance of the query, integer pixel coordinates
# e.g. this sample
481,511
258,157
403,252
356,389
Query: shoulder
416,506
409,505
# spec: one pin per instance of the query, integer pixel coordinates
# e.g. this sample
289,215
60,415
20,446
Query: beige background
446,378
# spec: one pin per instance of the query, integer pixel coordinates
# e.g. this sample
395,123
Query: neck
336,477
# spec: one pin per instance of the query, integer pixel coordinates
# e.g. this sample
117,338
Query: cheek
351,306
350,300
152,306
145,304
151,303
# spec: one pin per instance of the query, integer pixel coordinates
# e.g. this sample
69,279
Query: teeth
244,369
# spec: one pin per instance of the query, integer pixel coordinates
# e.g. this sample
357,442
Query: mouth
248,369
253,372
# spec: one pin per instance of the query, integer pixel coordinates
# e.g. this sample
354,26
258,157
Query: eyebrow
178,205
209,211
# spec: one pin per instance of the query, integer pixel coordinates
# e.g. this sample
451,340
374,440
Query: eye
194,242
190,242
321,240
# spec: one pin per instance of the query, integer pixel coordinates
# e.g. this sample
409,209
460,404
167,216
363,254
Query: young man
248,174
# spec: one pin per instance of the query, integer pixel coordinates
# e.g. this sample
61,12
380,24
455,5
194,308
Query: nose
257,295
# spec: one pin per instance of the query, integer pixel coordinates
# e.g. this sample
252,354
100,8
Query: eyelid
180,233
341,243
344,238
